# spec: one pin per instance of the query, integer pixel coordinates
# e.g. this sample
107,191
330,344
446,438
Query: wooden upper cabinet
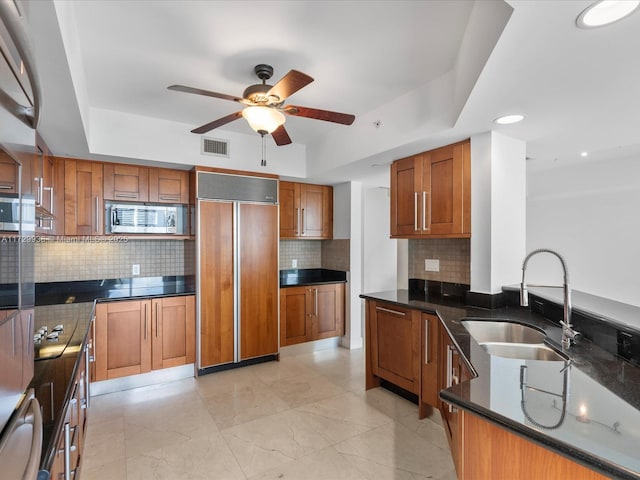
168,186
316,211
431,193
8,174
126,182
306,211
289,196
83,212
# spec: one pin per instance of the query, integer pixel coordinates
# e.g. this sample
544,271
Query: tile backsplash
454,255
331,254
73,259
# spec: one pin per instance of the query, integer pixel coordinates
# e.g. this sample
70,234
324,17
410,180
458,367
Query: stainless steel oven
142,218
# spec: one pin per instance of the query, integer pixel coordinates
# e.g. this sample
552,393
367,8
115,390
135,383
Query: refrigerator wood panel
216,294
259,289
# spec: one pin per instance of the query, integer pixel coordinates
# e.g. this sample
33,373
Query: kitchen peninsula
583,410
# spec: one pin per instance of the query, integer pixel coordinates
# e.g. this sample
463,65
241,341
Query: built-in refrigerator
238,272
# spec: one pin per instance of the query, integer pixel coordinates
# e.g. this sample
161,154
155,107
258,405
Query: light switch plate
135,269
294,263
431,265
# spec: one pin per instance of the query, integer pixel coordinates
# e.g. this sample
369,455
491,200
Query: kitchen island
586,410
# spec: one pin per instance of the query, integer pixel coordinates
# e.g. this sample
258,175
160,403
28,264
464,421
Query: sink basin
484,331
523,351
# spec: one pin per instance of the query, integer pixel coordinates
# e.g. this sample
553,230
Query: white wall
379,258
589,214
498,211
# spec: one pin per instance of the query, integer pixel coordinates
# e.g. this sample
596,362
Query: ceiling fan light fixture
263,119
605,12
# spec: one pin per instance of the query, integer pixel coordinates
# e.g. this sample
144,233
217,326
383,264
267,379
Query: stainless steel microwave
11,208
141,218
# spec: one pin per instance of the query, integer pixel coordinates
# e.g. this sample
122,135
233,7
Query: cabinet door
407,196
172,331
8,174
216,284
395,345
328,307
289,197
168,186
429,386
295,323
126,182
443,173
123,339
259,279
82,197
316,211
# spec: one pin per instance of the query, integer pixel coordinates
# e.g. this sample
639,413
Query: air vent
214,146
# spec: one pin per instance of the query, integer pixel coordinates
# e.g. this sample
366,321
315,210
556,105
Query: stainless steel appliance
20,421
142,218
10,210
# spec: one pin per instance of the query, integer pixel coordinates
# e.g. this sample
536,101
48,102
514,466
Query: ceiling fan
264,105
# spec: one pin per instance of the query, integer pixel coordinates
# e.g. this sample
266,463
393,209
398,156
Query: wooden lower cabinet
452,370
70,443
173,331
136,336
491,452
429,363
392,346
311,313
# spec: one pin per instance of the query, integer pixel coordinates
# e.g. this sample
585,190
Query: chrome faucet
568,333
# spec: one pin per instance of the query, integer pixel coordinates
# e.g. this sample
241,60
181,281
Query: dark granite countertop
71,304
310,276
601,425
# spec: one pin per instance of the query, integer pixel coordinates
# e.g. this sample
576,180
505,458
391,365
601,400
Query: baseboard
142,380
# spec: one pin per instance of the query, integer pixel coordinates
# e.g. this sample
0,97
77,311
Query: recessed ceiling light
584,154
605,12
508,119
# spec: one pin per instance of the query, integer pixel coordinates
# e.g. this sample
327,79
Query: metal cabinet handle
426,341
97,214
156,319
302,222
395,312
415,210
426,219
450,373
145,321
316,294
126,195
67,452
6,187
297,220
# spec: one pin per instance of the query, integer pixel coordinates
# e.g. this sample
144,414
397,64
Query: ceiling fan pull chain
263,163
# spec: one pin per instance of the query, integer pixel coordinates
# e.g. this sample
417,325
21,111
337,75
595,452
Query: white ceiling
578,88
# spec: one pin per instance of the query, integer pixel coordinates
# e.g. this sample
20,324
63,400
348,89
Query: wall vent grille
215,146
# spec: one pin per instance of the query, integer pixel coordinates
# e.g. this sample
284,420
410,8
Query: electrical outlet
431,265
294,263
135,269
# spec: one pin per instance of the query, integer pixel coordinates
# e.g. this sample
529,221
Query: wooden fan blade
327,116
290,84
198,91
217,123
280,136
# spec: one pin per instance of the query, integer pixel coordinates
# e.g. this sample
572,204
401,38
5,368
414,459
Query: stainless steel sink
523,351
484,331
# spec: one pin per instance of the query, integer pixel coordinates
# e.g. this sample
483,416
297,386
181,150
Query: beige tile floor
306,417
